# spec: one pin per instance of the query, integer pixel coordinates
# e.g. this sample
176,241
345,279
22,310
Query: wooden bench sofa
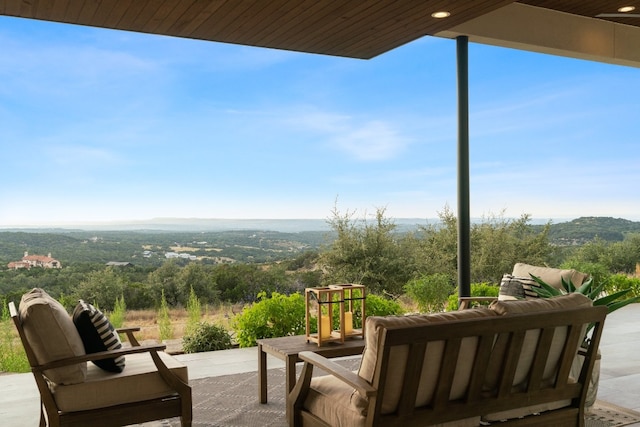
508,364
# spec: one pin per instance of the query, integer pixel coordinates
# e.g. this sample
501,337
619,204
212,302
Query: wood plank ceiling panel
225,16
197,14
279,19
178,11
58,10
398,26
360,29
72,14
284,20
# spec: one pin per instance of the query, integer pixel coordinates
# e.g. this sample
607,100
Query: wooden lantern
321,303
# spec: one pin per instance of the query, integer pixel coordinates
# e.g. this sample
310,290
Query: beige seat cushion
137,382
52,335
329,400
551,276
433,355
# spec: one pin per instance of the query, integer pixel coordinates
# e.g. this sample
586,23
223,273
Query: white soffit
542,30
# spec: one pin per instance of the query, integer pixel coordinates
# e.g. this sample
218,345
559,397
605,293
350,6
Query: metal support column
464,217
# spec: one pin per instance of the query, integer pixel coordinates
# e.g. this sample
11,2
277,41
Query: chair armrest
340,372
126,330
99,356
129,332
465,302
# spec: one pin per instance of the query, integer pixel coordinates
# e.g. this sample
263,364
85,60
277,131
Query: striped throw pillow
97,334
512,287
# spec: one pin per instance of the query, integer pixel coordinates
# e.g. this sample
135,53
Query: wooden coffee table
288,348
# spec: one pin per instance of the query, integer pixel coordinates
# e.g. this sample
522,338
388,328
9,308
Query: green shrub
377,305
12,355
618,282
119,312
283,315
277,316
194,312
164,320
430,292
477,290
206,337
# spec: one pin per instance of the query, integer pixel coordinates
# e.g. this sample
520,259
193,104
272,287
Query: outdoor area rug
232,401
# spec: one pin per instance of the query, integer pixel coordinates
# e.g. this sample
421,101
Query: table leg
262,374
290,373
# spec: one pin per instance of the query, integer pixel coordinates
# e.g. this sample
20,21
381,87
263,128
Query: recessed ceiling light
625,9
441,14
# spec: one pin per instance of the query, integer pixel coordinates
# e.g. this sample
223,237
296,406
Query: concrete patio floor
619,373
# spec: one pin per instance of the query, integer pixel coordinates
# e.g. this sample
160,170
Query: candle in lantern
348,322
325,327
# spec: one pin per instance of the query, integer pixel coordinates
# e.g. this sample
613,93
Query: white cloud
371,141
363,140
76,155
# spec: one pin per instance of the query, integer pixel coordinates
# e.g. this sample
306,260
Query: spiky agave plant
613,301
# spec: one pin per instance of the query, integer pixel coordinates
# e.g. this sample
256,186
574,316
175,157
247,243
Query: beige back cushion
433,356
563,302
52,335
551,276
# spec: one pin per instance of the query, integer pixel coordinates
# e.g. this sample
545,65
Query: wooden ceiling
350,28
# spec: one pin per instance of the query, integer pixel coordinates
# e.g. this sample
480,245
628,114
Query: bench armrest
340,372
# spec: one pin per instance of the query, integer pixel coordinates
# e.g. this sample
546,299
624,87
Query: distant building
29,261
170,255
119,264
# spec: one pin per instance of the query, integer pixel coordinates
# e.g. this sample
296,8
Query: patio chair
517,285
151,386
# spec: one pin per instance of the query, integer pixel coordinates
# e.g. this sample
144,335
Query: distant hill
584,229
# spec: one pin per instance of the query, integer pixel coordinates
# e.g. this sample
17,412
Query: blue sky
101,125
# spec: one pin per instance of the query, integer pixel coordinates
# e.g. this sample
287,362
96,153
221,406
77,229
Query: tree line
369,251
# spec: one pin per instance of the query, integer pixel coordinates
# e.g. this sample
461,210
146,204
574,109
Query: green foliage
12,355
477,290
164,320
369,253
614,257
277,316
581,230
242,282
165,283
119,312
618,282
372,251
612,301
497,244
68,301
194,277
377,305
206,337
430,292
102,288
597,271
194,312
